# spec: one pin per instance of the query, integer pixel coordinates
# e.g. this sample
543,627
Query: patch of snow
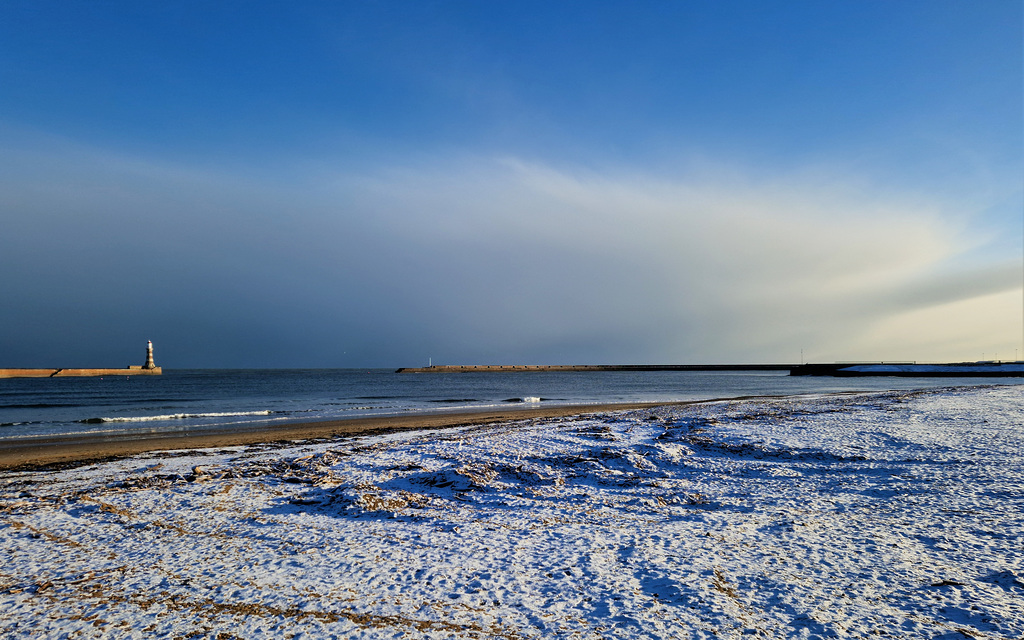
898,514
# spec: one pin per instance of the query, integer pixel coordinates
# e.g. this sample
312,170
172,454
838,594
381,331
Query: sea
210,400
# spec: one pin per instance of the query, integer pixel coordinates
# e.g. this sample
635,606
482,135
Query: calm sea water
192,400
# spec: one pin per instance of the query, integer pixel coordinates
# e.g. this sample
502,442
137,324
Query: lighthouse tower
149,356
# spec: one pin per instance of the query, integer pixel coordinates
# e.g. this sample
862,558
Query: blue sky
379,183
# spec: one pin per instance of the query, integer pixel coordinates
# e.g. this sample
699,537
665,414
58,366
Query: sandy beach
39,452
892,514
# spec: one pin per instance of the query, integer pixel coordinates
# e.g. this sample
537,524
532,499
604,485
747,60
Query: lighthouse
149,356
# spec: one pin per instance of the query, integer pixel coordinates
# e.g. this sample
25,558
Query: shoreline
65,452
46,453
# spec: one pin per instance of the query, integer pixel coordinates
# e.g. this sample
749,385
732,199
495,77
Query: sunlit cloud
750,267
480,259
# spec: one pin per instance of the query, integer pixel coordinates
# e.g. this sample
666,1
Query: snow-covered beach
891,514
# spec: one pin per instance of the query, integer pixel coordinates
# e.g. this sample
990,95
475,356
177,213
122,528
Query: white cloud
706,270
484,259
987,326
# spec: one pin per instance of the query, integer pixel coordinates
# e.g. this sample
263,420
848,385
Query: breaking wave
177,416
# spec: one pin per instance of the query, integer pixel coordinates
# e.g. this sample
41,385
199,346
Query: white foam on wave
186,416
531,399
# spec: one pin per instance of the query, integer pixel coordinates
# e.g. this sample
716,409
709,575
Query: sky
392,183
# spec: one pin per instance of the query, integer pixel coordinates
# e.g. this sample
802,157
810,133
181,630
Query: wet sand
65,452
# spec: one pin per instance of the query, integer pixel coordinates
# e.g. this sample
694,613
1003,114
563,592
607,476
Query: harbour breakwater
148,369
447,368
913,369
69,373
838,369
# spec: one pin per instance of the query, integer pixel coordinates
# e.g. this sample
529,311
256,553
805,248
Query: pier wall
70,373
838,369
594,367
913,370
